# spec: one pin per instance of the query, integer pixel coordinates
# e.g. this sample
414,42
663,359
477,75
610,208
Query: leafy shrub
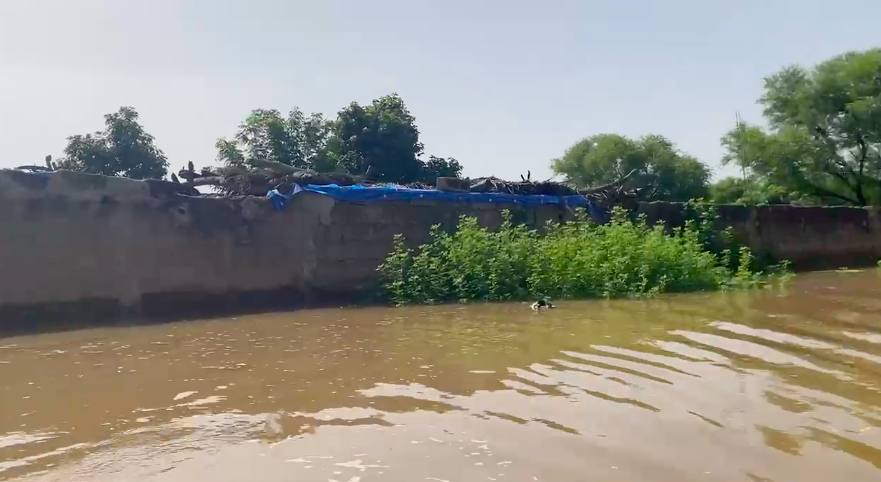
578,259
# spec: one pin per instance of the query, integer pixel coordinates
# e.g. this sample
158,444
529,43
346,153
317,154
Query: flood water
767,386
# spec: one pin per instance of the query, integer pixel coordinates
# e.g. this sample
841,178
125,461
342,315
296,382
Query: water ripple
763,386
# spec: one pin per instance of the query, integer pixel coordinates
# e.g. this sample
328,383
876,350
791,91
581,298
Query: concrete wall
74,244
77,245
809,237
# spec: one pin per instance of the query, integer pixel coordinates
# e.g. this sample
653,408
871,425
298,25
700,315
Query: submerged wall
75,244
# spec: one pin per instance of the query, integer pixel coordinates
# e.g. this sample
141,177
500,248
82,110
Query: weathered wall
105,247
809,237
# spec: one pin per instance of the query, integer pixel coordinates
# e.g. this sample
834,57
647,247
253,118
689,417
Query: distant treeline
821,145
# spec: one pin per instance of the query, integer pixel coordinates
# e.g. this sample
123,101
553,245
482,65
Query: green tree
436,167
728,190
123,148
382,137
825,130
743,147
668,174
229,153
734,190
319,146
267,135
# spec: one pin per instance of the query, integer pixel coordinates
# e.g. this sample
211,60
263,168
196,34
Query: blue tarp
391,193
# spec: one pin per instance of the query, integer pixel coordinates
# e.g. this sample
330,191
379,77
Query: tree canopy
731,190
379,140
667,173
123,148
266,134
437,167
383,136
822,144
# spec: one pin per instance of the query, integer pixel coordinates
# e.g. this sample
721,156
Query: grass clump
578,259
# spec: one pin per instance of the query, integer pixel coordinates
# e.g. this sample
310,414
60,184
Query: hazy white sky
503,86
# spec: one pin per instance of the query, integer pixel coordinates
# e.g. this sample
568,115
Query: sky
502,86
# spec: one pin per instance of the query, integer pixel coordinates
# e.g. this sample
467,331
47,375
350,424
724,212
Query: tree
437,167
267,135
728,190
745,146
733,190
669,174
318,145
123,148
825,130
229,153
382,136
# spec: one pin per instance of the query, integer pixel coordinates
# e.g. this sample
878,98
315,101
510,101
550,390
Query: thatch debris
34,168
263,176
258,179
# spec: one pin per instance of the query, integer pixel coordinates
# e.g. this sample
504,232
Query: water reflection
762,386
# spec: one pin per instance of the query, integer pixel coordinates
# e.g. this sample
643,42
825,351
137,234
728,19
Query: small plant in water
578,259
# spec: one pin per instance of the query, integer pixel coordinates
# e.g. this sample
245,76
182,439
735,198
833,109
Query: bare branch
604,187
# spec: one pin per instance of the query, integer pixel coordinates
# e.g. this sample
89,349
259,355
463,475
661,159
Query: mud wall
82,246
809,237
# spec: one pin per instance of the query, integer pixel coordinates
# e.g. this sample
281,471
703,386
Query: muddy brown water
767,386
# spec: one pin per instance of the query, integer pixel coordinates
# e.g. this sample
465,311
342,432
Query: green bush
578,259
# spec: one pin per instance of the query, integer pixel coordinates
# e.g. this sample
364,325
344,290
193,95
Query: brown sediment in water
158,308
768,385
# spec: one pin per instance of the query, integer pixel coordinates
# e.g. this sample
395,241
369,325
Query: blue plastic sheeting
391,193
278,199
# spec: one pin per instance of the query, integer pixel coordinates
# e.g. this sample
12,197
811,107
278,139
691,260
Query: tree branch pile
618,193
258,179
261,177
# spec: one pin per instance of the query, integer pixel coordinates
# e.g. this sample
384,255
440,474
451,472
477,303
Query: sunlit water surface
767,386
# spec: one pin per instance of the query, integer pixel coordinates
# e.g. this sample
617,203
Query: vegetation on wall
579,259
